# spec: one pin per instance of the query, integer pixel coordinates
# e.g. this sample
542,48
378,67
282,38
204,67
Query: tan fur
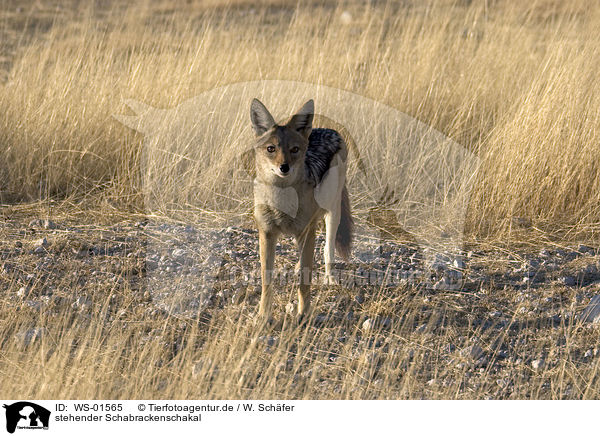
278,145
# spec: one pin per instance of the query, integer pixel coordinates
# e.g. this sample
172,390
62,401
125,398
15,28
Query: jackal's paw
302,319
329,279
298,318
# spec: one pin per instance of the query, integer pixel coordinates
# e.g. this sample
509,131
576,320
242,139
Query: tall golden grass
514,83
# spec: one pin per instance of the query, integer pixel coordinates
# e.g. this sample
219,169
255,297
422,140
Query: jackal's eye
271,148
295,150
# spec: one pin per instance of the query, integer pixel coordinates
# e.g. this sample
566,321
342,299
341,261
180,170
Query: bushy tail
343,237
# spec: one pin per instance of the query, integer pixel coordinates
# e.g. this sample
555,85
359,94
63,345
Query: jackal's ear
302,121
262,120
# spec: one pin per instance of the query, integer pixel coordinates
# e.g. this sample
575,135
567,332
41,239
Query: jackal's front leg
306,245
267,243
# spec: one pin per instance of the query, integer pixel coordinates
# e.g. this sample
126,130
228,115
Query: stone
269,341
438,263
35,223
503,382
49,224
473,352
421,328
591,313
444,284
568,280
537,364
31,335
82,302
458,263
544,253
290,309
346,18
368,325
201,365
584,249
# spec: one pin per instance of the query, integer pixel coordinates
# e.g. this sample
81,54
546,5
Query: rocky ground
497,317
208,266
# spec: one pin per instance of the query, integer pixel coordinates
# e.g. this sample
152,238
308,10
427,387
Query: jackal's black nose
284,168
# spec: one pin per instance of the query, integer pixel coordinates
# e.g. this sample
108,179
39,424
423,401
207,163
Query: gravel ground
183,256
183,269
485,313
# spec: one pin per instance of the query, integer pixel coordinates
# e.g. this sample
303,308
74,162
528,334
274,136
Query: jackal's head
280,149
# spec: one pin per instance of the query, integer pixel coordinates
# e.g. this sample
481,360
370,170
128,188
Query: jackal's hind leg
332,221
306,245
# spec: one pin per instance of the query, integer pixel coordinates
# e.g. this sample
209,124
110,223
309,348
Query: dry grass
88,328
514,83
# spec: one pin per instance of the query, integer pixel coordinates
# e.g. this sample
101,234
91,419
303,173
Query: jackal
300,178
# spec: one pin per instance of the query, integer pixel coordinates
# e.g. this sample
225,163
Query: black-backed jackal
300,179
